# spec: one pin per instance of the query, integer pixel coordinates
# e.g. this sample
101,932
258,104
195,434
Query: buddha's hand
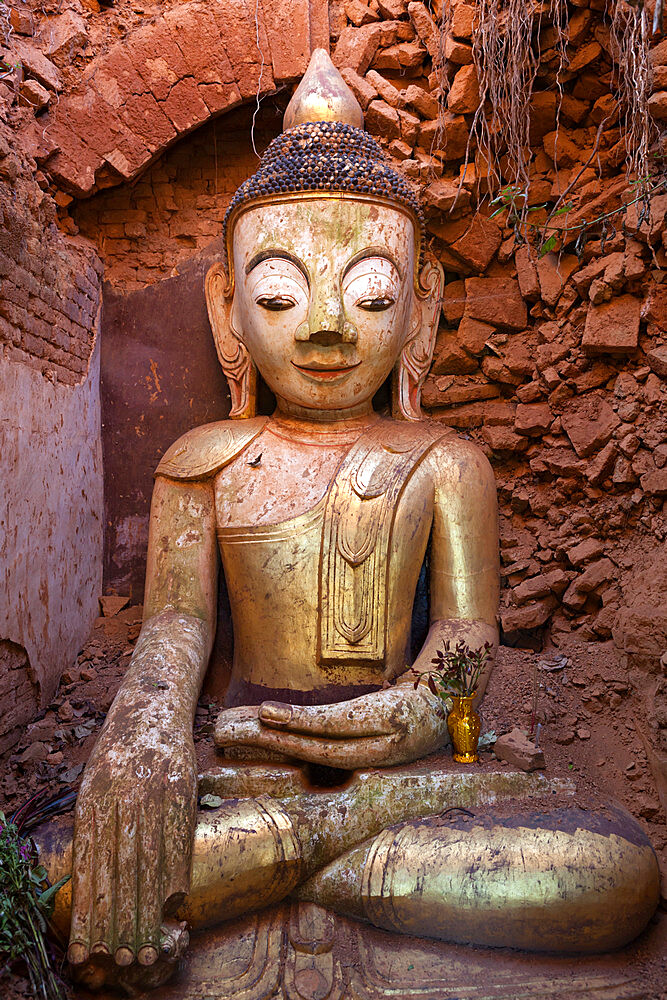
133,832
392,726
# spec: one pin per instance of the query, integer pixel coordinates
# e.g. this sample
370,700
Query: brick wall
50,292
176,209
19,695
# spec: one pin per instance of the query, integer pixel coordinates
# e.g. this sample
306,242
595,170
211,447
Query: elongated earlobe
415,359
233,355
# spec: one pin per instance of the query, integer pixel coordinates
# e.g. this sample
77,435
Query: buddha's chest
274,481
342,565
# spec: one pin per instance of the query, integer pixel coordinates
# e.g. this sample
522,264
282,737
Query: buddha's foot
566,881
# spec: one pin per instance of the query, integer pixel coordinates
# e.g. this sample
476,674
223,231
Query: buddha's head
323,288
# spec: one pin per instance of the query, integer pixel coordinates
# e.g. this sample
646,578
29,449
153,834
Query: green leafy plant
512,199
456,670
26,904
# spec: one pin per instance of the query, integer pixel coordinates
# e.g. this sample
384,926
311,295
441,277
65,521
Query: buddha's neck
304,423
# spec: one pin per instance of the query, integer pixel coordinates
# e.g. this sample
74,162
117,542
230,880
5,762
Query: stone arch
195,61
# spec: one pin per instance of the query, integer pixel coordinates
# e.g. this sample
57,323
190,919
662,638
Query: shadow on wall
160,376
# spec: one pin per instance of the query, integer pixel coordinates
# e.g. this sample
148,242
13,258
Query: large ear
237,364
415,360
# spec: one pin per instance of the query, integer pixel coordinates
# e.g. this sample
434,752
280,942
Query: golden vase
464,725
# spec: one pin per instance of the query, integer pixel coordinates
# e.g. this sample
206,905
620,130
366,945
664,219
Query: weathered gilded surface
205,450
253,849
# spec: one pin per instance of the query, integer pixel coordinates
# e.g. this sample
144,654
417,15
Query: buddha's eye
275,303
377,304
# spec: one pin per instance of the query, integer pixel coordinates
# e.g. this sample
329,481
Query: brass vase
464,725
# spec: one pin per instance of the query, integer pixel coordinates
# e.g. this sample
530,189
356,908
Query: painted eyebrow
272,253
372,252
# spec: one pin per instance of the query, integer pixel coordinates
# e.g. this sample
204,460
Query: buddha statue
321,516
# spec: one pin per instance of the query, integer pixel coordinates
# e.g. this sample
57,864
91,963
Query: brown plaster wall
51,513
50,444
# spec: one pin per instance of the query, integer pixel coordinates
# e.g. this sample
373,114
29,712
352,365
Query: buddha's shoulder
203,451
455,457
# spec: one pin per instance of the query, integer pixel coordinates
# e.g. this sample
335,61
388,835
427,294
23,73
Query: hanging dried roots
629,36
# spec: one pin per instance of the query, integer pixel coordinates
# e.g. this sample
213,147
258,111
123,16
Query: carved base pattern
300,951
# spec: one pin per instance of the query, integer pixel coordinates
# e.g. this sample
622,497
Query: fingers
82,886
346,754
119,872
179,822
241,727
126,874
149,878
237,726
93,903
367,716
385,727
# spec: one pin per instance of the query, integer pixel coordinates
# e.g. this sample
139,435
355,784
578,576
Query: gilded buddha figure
321,516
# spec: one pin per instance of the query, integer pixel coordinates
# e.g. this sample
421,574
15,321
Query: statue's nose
326,324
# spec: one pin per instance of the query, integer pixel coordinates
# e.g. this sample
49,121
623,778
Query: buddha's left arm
464,582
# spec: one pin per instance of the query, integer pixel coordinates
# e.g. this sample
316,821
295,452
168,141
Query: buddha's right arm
136,809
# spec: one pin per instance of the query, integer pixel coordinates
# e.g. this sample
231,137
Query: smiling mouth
325,372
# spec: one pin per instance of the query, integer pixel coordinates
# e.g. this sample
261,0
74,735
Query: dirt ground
592,727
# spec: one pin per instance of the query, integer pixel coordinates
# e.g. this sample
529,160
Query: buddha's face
324,296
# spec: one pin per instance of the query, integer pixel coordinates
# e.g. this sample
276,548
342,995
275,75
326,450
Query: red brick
424,103
453,301
196,31
463,97
157,57
320,32
356,48
364,91
613,327
184,107
479,244
290,46
459,53
404,55
497,301
425,28
533,419
114,76
443,193
463,20
236,21
76,168
144,116
525,259
501,438
37,64
452,144
589,422
383,120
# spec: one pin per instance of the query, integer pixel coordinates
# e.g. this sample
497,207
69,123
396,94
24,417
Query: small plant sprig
26,904
456,671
